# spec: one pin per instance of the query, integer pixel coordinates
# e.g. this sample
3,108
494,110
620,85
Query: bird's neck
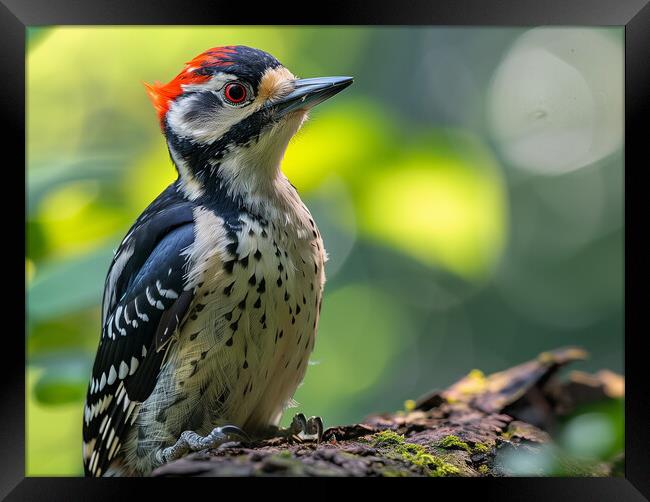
243,168
243,179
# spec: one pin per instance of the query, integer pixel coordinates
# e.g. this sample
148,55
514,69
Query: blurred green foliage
590,436
443,256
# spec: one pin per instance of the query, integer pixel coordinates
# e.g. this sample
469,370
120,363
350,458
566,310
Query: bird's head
229,115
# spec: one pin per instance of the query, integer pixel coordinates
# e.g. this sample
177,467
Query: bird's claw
191,441
301,425
230,431
315,426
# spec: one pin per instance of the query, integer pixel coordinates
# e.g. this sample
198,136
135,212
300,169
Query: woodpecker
212,300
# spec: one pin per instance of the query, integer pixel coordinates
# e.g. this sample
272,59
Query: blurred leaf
148,175
356,136
68,285
590,435
440,207
36,248
30,270
43,179
76,219
64,379
78,330
595,430
60,388
53,435
537,461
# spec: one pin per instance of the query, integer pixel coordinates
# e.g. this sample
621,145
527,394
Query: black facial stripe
243,132
202,106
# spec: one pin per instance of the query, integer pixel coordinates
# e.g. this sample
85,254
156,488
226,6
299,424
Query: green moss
433,465
473,383
476,375
455,442
385,438
284,454
414,454
483,469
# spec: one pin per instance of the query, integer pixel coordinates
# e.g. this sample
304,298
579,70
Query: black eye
235,93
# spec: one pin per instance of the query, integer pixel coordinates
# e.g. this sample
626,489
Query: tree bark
468,429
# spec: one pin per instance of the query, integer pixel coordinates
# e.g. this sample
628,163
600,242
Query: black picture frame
634,15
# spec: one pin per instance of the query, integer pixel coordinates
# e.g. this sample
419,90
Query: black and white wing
145,300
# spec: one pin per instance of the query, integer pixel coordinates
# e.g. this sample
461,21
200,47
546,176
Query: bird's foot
191,441
312,426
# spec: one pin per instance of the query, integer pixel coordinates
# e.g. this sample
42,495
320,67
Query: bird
212,300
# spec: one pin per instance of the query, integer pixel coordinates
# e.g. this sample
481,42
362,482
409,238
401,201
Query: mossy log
461,431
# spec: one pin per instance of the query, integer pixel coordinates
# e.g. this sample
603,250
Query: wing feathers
144,305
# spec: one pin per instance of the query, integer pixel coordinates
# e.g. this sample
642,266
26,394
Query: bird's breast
246,342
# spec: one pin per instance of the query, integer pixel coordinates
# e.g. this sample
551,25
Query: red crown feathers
162,95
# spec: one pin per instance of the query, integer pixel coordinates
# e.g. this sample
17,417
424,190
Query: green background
468,187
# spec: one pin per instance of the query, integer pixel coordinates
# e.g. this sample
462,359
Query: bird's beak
308,92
